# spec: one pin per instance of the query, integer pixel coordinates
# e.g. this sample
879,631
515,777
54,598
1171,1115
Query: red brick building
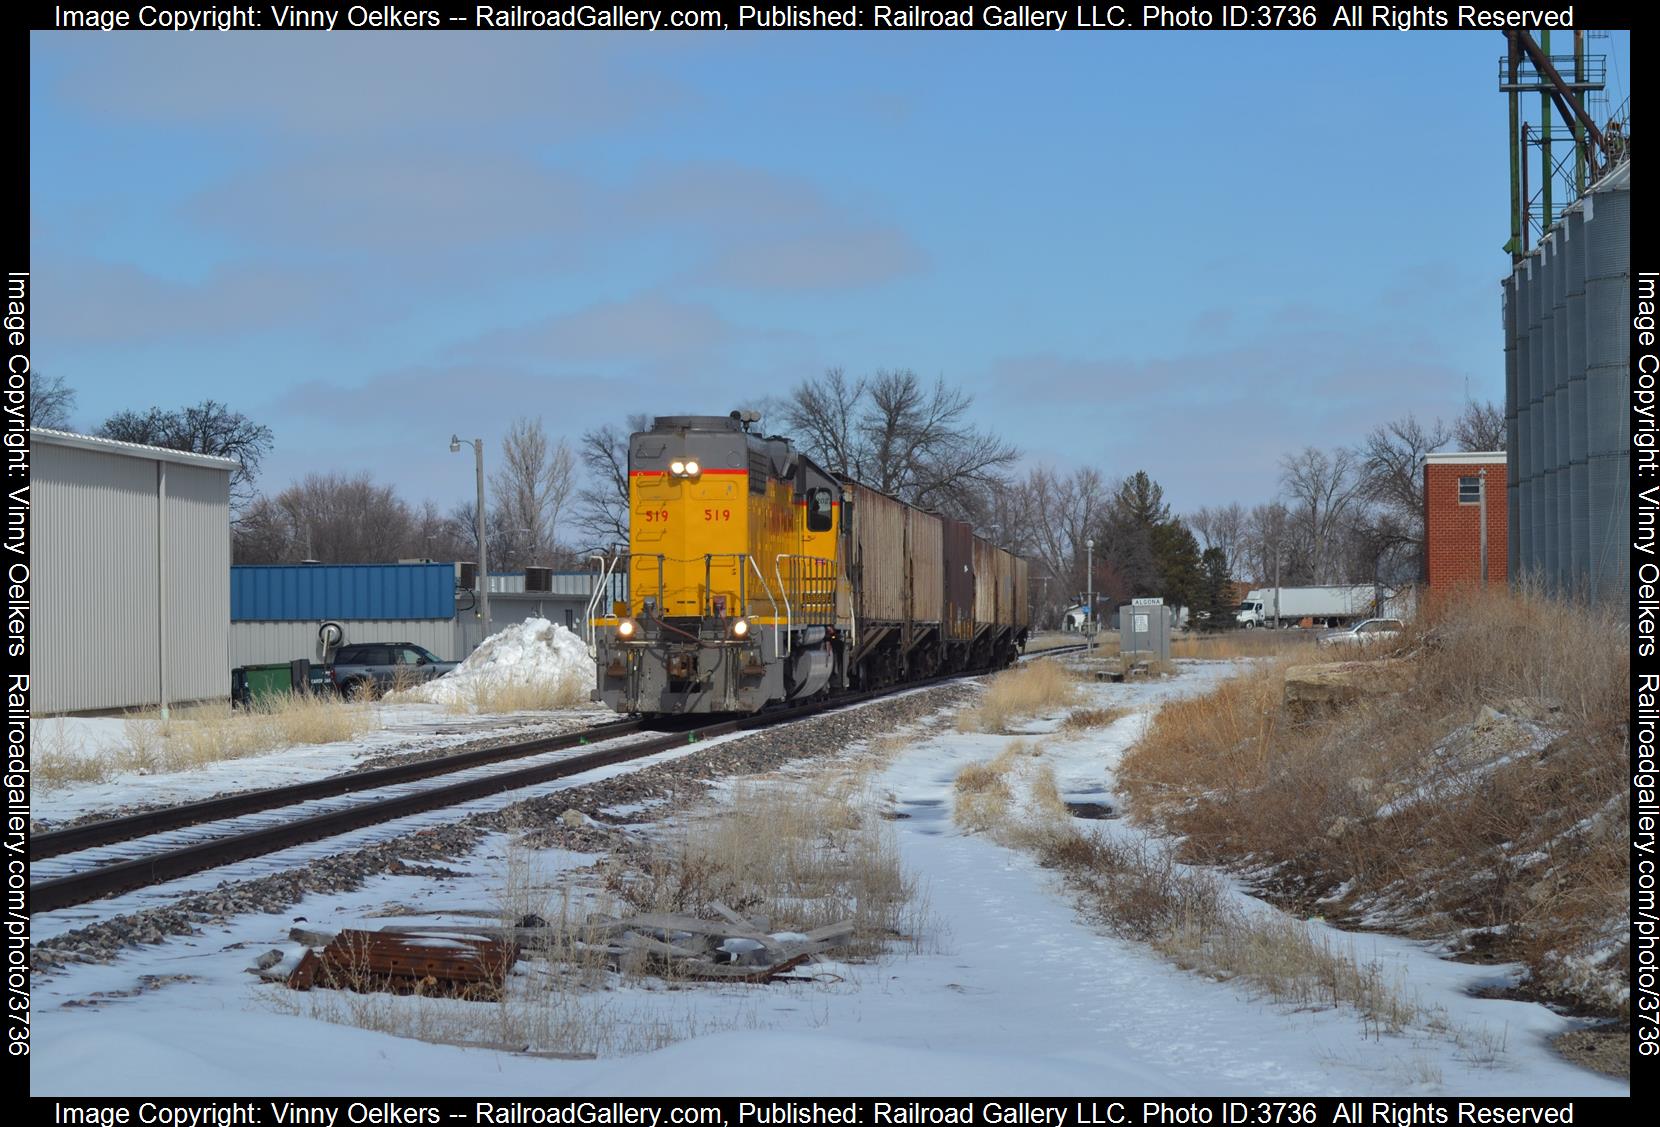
1453,485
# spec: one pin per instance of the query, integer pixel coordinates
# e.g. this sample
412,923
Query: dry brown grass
1478,833
518,696
198,735
1235,644
1033,689
982,791
1084,719
799,854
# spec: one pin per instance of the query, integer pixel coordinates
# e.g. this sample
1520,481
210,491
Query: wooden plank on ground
657,947
729,915
713,972
658,922
830,932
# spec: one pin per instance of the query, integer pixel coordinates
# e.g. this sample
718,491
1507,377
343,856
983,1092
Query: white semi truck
1324,606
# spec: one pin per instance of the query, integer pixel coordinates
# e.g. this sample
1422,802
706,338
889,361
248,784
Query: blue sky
1184,253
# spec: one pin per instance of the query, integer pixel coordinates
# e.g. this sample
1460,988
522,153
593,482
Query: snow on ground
534,653
396,725
1009,992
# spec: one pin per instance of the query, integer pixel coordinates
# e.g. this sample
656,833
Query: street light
1089,588
483,556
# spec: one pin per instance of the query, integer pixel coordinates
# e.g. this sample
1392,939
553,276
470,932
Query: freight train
754,576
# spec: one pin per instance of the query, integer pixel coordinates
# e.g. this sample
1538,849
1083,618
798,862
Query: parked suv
372,668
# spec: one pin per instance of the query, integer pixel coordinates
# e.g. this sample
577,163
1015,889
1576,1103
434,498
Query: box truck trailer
1324,606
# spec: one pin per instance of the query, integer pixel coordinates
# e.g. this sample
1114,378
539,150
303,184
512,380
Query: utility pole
483,555
1089,587
1276,582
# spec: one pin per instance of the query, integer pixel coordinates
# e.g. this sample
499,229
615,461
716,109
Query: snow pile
536,656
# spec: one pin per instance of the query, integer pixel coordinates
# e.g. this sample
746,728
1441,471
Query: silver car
1370,632
367,669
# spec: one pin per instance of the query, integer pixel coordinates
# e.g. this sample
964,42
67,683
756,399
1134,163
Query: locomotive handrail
763,579
789,627
604,572
602,583
829,577
708,596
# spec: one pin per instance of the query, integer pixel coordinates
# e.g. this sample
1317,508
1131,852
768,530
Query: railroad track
91,834
226,830
87,872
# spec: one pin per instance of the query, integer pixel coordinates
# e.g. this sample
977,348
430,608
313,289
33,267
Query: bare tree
1266,548
1222,528
50,402
602,502
1061,513
210,427
1323,488
894,434
1391,463
1480,426
1390,536
264,535
338,518
434,537
823,418
531,489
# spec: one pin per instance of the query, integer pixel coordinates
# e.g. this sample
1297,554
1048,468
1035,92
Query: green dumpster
261,681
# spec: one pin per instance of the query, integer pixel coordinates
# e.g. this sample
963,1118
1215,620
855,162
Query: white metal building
129,556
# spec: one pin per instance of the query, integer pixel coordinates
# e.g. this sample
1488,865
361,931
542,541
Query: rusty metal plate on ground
447,965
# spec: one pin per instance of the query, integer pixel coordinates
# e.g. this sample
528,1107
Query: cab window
818,510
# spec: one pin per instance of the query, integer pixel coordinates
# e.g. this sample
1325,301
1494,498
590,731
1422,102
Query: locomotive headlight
692,469
678,469
740,627
627,628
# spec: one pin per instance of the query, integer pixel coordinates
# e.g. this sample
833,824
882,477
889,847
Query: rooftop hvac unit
538,579
466,576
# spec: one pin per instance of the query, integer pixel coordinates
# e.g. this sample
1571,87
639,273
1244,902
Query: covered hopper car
753,576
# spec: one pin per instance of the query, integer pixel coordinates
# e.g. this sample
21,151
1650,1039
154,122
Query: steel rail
113,830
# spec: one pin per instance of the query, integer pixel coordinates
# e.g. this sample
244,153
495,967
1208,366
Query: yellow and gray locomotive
753,576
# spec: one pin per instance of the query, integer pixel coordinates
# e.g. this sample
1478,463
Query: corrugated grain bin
879,555
1022,592
924,549
985,582
958,544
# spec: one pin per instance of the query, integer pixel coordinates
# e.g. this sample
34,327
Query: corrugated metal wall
261,643
879,554
364,592
198,582
95,618
924,553
1567,388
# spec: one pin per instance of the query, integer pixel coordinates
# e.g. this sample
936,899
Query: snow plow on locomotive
754,577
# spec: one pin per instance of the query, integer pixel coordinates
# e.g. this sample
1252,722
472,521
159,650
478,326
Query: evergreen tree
1176,555
1216,604
1139,500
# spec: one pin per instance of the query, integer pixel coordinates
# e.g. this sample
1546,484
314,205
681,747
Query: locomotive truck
754,576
